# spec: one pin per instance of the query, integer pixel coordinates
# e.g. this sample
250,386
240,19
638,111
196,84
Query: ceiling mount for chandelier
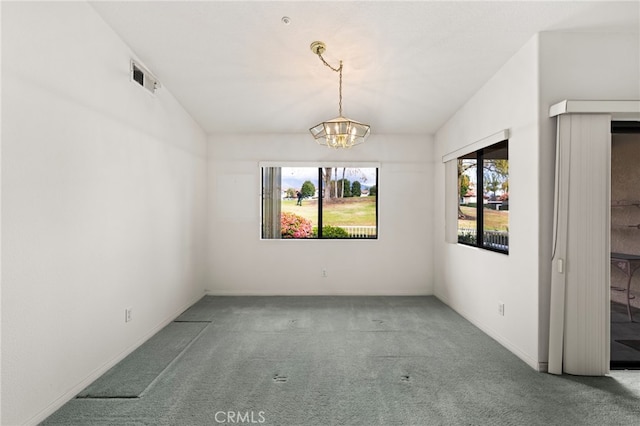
339,132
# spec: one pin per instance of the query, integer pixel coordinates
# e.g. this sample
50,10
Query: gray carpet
354,361
135,373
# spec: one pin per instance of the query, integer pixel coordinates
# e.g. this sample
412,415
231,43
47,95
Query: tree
495,176
308,189
356,189
502,169
373,191
344,188
291,193
492,184
496,172
326,183
331,185
464,182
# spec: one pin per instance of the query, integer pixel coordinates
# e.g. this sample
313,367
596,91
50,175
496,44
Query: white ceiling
408,66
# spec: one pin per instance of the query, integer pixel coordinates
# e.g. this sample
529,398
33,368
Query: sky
293,177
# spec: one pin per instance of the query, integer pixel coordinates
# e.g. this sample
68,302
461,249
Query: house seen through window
319,202
483,198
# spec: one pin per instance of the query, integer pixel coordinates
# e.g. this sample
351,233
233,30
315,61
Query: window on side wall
313,202
483,198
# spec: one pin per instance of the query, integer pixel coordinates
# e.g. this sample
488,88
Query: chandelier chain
339,132
338,70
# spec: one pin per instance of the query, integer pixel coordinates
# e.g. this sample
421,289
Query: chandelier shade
340,132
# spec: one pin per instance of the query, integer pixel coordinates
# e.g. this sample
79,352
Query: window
483,198
319,202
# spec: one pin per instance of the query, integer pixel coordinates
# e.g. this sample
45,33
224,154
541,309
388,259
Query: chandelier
340,132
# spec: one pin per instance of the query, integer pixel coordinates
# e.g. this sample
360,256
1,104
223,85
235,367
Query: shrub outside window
319,202
483,198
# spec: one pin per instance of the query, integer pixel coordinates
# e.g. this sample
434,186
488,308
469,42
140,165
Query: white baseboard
69,395
533,363
216,292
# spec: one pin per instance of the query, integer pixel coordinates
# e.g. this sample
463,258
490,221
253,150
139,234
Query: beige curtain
271,199
451,201
579,310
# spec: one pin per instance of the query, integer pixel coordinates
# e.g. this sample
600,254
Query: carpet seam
197,336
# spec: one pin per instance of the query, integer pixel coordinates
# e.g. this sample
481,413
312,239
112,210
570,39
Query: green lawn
494,220
353,211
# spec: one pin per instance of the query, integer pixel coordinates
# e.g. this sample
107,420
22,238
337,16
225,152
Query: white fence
494,239
360,231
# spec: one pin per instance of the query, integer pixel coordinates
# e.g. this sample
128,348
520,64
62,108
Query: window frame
318,165
479,158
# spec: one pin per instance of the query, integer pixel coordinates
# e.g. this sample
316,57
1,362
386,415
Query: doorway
625,245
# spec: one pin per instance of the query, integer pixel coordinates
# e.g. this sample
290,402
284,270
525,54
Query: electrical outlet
324,273
501,309
127,315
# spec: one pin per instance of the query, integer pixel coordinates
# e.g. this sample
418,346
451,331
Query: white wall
106,191
550,68
473,281
578,66
103,206
399,262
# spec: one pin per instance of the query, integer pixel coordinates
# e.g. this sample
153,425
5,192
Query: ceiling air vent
143,77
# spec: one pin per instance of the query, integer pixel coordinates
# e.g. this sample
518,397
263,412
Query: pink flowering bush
294,226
